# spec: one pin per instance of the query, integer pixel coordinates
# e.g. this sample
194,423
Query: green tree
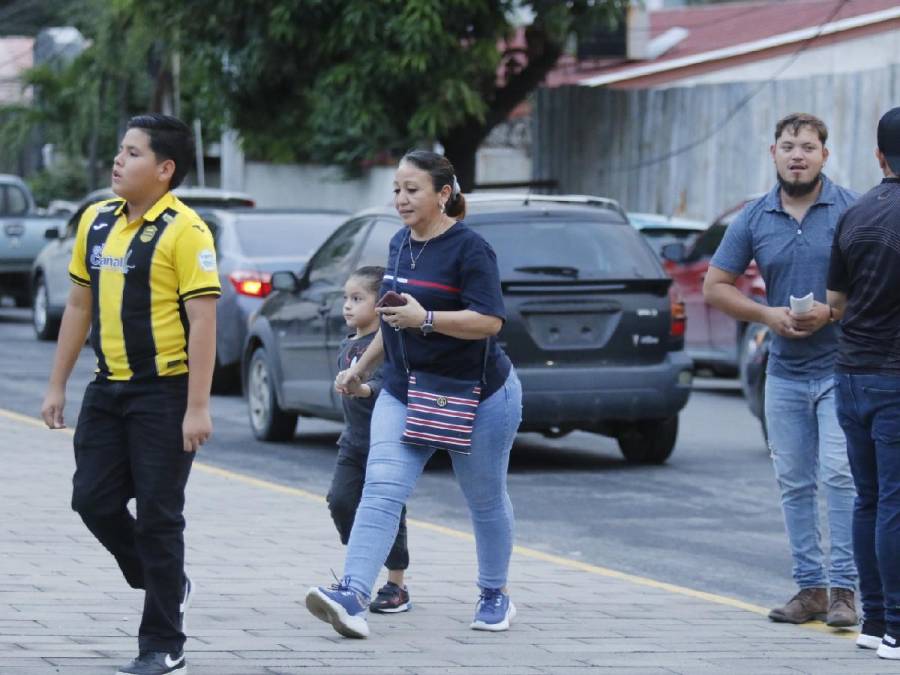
356,81
82,106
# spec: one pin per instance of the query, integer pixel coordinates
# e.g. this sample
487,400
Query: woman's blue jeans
395,466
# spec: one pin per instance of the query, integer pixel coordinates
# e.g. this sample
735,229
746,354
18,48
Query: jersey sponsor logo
108,262
148,233
207,260
100,226
106,208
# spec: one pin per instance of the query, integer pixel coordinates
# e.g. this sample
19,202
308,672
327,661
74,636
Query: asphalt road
709,519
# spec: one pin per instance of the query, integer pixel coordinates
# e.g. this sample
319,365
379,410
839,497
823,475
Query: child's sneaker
870,635
342,607
890,646
391,599
494,611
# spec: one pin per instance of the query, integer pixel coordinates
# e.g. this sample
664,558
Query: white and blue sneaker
187,596
494,611
342,607
890,646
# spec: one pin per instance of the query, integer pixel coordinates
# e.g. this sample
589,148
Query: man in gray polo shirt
789,233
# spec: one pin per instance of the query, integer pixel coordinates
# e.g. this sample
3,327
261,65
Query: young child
360,296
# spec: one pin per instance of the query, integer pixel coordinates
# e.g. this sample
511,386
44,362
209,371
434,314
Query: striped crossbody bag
440,410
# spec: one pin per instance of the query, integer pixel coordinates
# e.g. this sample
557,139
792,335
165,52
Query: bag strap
487,341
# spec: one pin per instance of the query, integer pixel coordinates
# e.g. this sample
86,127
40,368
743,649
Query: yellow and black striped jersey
140,274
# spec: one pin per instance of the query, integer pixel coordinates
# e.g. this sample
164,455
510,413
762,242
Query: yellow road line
524,551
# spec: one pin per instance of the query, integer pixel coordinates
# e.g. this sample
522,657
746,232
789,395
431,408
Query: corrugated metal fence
643,147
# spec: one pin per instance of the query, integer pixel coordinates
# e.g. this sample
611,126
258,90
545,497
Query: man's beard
798,189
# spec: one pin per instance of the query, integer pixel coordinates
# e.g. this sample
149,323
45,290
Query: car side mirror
675,252
51,233
285,281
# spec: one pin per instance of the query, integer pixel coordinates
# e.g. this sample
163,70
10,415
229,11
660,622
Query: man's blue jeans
869,412
395,466
806,441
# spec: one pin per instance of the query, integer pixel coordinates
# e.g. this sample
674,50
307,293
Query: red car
713,339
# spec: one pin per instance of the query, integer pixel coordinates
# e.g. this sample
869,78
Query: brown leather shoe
842,609
810,604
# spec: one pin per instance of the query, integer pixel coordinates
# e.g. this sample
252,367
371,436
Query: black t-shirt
865,265
457,270
357,411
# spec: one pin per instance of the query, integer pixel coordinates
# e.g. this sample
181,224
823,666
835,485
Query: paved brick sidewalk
254,548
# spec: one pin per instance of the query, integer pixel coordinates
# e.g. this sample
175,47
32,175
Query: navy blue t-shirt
457,270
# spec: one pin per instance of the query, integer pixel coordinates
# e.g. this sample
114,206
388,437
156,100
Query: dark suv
594,327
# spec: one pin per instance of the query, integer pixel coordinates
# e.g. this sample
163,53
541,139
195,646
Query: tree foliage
81,106
348,82
354,81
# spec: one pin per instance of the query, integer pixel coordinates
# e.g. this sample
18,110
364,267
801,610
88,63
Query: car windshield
536,249
284,234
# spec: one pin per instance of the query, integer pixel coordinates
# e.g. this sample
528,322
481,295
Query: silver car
250,245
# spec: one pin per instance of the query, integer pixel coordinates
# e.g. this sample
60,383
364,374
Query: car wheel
267,420
46,326
649,441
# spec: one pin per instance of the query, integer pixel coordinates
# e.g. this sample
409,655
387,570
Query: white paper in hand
802,305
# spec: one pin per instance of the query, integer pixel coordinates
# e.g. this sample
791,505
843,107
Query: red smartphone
391,299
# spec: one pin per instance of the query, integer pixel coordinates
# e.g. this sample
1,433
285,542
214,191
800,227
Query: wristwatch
427,326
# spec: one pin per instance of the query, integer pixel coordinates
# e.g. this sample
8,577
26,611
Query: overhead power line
741,104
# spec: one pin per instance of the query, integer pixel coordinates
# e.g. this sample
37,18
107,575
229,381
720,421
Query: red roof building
750,41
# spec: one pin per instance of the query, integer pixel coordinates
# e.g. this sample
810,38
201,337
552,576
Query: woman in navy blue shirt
454,309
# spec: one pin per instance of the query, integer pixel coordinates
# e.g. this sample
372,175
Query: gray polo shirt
793,259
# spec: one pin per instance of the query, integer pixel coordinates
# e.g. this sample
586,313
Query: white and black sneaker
186,602
890,646
870,635
156,663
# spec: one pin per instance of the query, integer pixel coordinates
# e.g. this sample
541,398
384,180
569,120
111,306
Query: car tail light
254,284
679,316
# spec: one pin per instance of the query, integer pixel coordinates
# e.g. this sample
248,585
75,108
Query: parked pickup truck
23,234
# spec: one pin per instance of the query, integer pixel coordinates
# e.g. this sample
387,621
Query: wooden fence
696,151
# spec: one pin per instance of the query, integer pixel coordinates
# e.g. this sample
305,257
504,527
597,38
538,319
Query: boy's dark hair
796,121
373,275
170,138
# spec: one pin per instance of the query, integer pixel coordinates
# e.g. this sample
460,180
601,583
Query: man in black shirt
864,294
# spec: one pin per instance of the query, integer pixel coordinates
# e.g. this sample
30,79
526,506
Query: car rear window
264,235
536,249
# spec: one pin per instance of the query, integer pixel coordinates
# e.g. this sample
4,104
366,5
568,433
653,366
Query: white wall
497,165
311,186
